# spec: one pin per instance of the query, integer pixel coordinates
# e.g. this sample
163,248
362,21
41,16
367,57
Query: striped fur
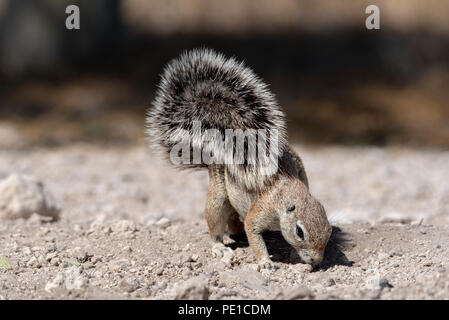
222,93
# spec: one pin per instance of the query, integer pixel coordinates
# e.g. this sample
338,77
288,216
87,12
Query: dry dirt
132,228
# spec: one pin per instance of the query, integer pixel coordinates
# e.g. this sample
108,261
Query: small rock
181,258
50,248
127,286
95,259
97,222
214,267
186,273
33,263
248,279
106,230
299,292
78,283
55,283
193,289
22,195
55,261
228,258
78,253
383,283
150,222
396,252
74,280
163,222
225,294
159,271
383,256
37,249
26,251
330,282
124,226
41,260
374,294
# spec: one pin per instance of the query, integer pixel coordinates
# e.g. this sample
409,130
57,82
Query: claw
268,264
219,250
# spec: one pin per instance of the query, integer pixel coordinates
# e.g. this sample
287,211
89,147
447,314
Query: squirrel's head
303,222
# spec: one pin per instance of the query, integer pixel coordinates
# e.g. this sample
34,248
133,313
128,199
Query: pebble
33,263
193,289
374,294
55,283
299,292
159,271
396,252
128,286
384,283
330,282
186,273
163,222
95,259
194,257
22,195
26,251
383,256
50,256
248,279
124,226
228,258
78,253
55,261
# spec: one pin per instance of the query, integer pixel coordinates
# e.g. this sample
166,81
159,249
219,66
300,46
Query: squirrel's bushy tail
203,90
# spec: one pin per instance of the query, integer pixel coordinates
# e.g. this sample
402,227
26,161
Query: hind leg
218,211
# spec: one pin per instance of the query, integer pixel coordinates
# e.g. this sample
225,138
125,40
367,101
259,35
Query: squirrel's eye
291,208
299,232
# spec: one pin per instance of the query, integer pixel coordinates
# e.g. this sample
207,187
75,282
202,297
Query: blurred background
338,82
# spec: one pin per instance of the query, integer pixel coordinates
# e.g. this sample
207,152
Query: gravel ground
132,227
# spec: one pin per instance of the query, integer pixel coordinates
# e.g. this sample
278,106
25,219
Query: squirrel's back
204,91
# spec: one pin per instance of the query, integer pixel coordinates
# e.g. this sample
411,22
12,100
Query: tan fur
228,202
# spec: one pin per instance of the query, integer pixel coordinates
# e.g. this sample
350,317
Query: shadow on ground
281,251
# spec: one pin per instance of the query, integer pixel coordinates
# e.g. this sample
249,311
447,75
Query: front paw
267,264
219,250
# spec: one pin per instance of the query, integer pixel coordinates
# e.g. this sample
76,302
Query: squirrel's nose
313,257
315,260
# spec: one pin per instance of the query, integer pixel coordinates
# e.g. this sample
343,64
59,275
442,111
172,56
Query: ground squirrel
204,96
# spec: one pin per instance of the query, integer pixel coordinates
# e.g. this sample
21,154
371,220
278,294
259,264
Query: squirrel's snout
312,257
